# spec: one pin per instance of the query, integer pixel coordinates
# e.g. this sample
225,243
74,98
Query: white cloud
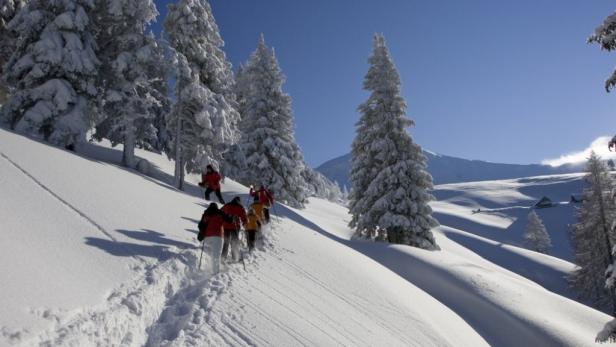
599,145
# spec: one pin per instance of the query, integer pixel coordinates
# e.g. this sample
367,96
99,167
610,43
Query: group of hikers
219,228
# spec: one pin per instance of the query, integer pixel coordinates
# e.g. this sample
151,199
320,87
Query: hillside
445,169
96,254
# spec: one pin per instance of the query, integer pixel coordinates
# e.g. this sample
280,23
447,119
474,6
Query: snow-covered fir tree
268,143
592,237
203,121
8,38
536,236
53,71
132,61
391,187
320,186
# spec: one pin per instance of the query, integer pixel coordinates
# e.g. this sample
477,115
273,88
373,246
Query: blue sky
503,81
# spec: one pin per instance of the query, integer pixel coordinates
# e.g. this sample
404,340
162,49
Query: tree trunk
179,160
128,154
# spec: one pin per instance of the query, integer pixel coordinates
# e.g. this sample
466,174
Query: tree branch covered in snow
605,36
53,71
8,38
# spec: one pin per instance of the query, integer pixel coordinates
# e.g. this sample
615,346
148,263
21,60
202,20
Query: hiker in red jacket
211,233
210,179
265,197
235,210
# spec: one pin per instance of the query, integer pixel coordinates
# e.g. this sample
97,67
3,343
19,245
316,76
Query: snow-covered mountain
446,169
93,254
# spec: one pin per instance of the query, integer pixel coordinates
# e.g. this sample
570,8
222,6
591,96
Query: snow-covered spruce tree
536,236
8,38
203,122
592,237
268,142
391,187
52,71
131,62
319,186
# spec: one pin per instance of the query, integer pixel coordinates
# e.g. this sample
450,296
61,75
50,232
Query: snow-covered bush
144,167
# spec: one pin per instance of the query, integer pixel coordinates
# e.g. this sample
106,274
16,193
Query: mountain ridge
447,169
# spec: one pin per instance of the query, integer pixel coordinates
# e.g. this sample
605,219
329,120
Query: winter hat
209,167
236,200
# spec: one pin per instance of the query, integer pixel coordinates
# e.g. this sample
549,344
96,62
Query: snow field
309,284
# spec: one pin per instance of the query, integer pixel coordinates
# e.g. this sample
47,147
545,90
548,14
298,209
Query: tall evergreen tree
391,187
536,236
592,237
268,143
131,63
203,121
53,70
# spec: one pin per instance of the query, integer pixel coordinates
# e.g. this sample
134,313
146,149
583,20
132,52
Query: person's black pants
231,237
209,191
266,215
251,237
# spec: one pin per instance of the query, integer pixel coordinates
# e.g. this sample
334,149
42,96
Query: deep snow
95,254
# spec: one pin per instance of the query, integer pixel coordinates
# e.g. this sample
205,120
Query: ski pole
275,211
201,256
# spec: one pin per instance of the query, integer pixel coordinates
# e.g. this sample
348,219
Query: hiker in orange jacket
264,197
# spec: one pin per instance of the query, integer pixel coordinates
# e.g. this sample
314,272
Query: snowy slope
303,289
100,255
446,169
